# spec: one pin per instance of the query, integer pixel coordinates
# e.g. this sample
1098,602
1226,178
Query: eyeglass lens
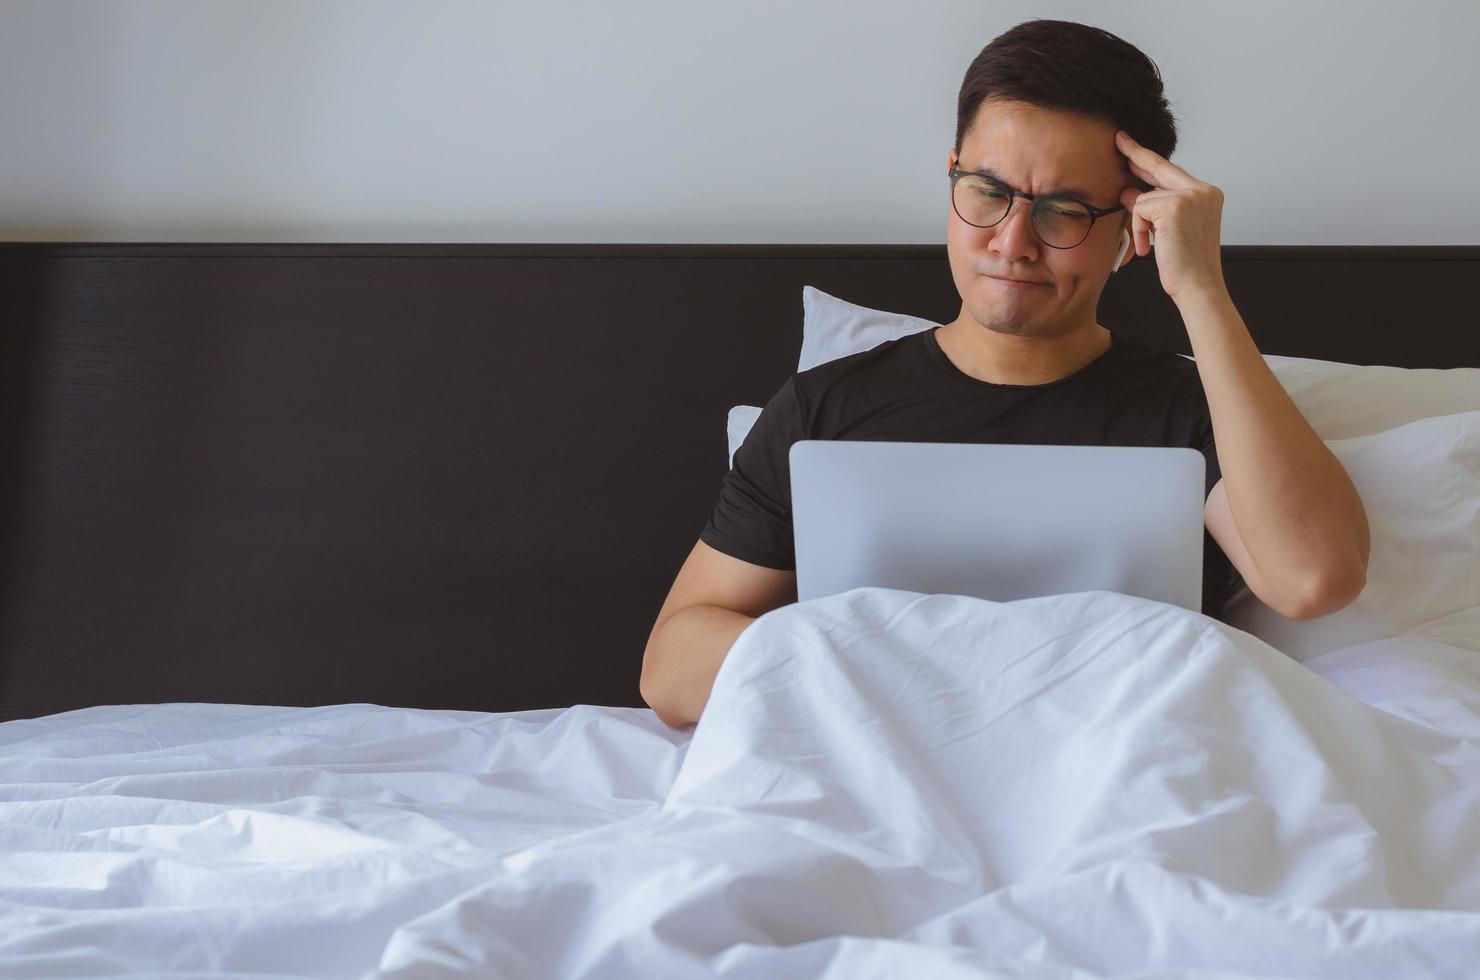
1059,222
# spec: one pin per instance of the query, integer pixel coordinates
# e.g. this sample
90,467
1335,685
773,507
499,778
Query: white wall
1324,121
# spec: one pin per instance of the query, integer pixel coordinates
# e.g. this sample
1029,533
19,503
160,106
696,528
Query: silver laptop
996,521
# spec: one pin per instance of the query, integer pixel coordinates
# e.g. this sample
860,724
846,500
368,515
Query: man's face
1037,151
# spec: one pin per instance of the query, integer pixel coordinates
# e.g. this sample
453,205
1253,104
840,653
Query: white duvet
884,783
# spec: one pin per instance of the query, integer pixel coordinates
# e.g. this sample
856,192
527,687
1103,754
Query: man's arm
683,657
1293,505
713,598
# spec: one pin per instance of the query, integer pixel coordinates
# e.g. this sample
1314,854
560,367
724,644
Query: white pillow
1339,400
833,328
1420,486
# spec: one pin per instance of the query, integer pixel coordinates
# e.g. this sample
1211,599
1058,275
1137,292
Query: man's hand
1184,214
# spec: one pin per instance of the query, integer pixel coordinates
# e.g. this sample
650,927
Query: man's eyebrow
1078,192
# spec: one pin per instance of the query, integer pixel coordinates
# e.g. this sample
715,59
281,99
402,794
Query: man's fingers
1140,227
1158,170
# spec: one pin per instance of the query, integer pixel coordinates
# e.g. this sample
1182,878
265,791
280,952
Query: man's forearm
1295,505
683,657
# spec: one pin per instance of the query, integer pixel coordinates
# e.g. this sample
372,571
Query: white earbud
1125,243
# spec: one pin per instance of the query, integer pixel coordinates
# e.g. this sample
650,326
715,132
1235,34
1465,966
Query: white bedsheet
884,783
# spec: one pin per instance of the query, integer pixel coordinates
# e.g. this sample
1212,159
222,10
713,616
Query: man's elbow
657,698
1328,595
667,715
647,686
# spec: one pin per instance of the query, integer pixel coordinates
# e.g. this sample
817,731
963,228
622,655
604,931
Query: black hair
1062,65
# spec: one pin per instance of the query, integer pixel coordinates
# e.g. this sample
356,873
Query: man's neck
1002,359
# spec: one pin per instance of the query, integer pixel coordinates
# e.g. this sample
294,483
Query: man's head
1039,108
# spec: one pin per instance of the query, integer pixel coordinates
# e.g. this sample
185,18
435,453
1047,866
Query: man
1050,192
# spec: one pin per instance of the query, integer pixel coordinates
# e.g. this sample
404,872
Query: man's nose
1014,233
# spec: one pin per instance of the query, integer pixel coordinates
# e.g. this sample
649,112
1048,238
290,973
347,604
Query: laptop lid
998,521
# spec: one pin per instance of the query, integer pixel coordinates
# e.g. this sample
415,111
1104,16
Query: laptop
996,521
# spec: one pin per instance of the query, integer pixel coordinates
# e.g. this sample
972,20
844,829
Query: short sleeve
1209,449
1191,419
1220,579
751,520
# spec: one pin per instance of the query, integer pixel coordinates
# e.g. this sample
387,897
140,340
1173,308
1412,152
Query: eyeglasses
1058,221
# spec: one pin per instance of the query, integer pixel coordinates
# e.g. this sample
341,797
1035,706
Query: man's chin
996,324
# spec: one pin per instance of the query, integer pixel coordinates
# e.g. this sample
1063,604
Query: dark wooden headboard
459,476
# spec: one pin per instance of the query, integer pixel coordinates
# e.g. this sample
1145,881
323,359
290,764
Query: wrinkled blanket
884,783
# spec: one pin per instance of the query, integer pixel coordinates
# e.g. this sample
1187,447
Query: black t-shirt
908,390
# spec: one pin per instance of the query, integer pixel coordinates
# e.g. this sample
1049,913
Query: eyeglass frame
1095,214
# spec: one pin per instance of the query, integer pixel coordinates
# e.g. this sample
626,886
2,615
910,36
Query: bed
327,572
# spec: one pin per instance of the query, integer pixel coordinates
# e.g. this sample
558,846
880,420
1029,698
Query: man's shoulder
1145,362
1166,381
1136,348
863,366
